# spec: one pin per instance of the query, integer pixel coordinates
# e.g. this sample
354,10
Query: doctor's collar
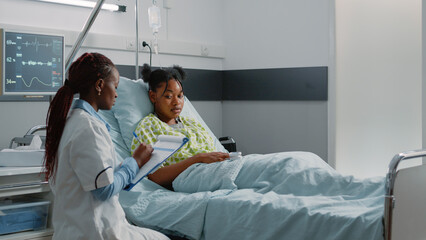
82,104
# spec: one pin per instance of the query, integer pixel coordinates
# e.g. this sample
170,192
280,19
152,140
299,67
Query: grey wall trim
290,84
298,84
204,85
127,71
307,83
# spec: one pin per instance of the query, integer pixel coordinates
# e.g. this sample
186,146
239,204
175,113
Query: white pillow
133,104
120,147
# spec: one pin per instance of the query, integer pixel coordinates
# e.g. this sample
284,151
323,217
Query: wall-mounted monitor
32,63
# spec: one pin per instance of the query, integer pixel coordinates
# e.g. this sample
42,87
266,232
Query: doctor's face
168,104
109,91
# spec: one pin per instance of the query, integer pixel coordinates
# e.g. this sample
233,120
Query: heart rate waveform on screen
28,43
30,83
36,63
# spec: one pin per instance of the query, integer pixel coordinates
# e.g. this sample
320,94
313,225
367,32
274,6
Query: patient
167,96
260,172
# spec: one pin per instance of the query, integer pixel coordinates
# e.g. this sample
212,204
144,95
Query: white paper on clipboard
164,147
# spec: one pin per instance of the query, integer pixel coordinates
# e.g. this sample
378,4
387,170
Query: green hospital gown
199,139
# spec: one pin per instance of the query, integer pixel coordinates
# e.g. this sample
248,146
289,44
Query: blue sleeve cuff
122,177
131,164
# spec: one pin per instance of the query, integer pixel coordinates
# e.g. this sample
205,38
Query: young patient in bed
167,96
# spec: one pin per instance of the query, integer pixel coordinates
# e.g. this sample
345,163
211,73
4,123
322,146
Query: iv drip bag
154,18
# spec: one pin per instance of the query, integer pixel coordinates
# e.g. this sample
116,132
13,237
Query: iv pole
83,34
88,25
137,40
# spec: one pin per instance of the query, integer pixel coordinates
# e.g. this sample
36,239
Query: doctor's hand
211,157
142,154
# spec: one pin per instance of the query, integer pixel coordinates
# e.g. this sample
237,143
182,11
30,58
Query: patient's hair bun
146,72
158,76
181,73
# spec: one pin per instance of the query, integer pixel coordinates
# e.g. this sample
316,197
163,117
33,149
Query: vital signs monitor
32,63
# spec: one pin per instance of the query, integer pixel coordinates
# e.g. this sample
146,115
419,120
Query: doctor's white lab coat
86,161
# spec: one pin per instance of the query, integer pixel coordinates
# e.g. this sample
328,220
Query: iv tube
154,18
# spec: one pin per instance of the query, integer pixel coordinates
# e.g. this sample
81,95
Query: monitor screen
32,63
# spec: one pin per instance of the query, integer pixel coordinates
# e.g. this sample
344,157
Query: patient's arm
165,175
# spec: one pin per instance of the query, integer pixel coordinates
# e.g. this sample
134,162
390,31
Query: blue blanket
289,195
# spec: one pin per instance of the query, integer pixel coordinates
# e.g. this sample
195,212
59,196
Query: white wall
277,126
189,24
211,112
276,34
18,117
378,83
186,21
424,76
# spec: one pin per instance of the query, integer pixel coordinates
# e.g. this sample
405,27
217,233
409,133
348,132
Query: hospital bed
390,207
394,208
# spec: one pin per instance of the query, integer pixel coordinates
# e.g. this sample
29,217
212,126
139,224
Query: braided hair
83,73
158,76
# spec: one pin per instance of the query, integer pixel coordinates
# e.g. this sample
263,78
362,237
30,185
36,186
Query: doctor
80,159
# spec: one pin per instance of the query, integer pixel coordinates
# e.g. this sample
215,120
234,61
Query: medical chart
164,147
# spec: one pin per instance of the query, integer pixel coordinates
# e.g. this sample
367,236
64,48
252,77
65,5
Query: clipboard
165,147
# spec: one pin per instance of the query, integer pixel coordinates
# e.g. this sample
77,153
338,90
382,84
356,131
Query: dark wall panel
309,83
290,84
127,71
203,85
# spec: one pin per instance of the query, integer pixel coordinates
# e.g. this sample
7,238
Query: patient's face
169,105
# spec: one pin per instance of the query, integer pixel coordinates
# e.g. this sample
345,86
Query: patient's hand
165,175
142,154
211,157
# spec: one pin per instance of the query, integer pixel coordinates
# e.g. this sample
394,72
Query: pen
139,140
136,136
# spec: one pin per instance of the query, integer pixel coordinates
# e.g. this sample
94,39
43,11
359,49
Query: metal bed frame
390,198
28,137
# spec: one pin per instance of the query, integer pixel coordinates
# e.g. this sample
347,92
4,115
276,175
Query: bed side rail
28,137
390,184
